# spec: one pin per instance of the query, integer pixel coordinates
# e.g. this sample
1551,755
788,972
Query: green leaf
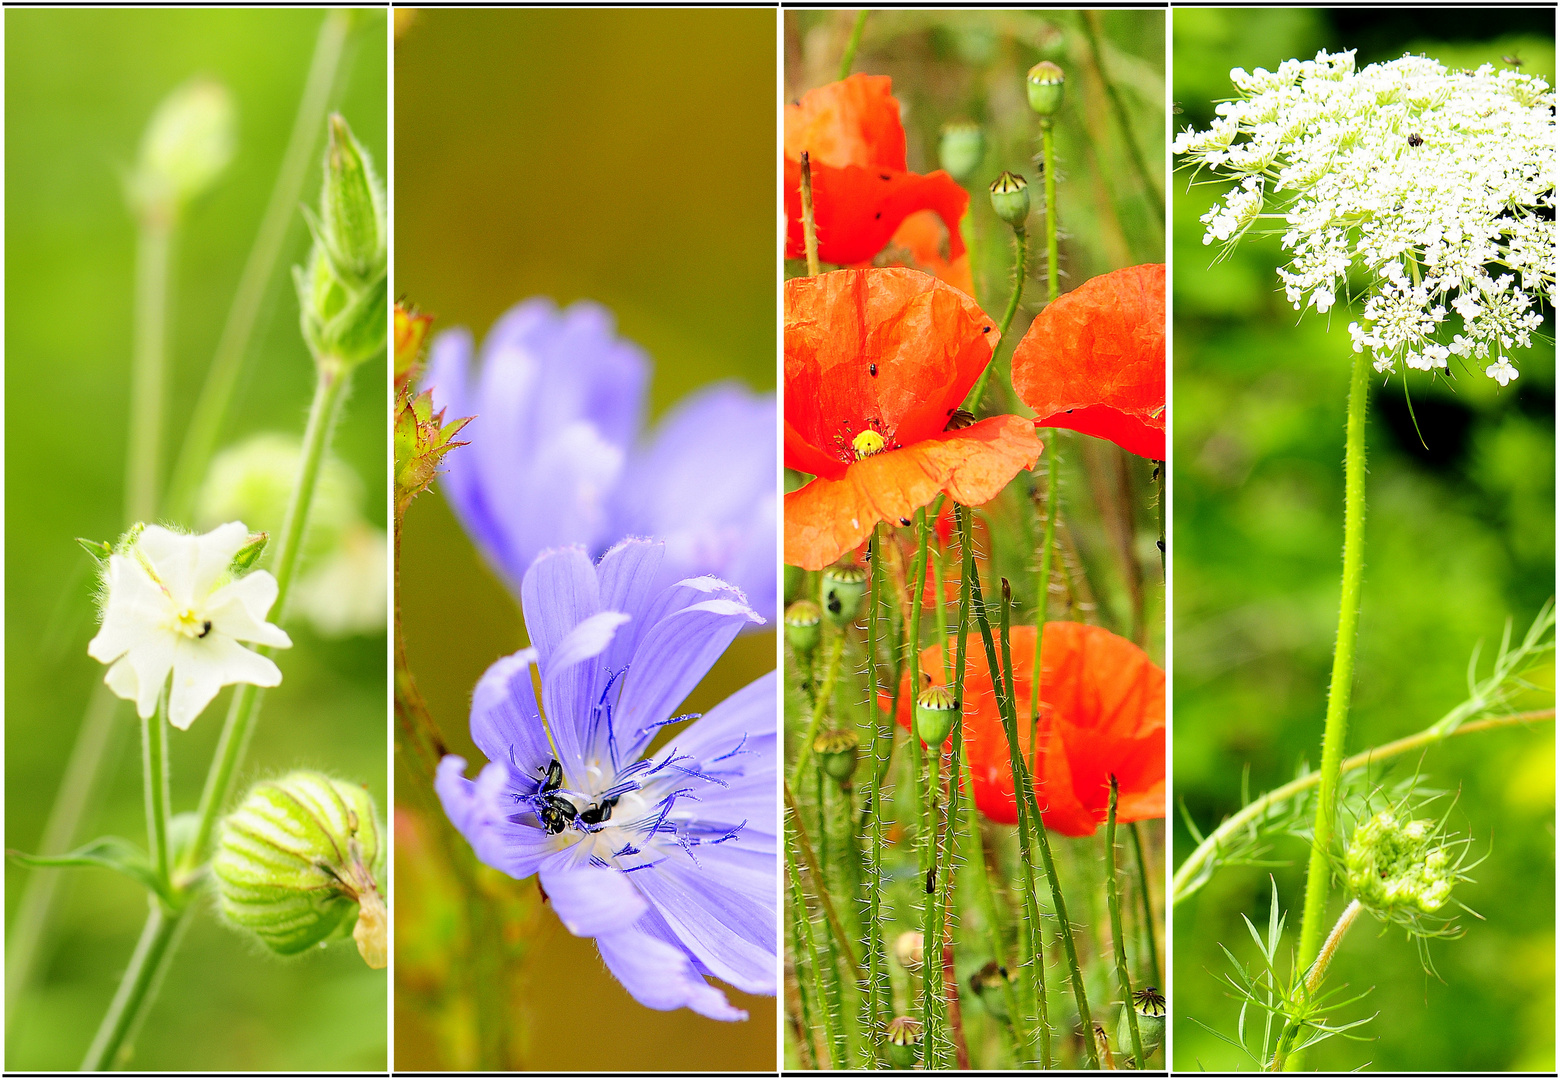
110,852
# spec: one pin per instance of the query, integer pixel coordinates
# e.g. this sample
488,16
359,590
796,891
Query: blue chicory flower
556,455
667,860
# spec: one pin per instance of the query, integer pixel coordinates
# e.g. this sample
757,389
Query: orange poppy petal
851,122
921,243
856,209
890,349
1094,360
827,518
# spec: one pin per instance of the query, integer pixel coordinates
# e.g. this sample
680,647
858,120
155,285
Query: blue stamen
736,751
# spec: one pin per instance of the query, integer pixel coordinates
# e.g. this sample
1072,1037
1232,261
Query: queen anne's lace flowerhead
667,859
1436,188
173,604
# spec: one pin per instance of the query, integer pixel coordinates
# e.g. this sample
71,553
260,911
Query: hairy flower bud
1400,864
1044,85
843,588
188,143
837,753
935,710
962,149
802,628
904,1037
1010,199
298,864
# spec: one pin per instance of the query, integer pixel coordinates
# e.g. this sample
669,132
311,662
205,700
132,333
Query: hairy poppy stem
879,989
1048,157
1020,261
1151,946
1319,872
802,920
851,46
1113,902
831,675
803,845
926,801
809,226
1043,601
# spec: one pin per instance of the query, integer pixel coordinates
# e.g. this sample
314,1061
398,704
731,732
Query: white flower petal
238,610
152,659
122,679
135,604
204,666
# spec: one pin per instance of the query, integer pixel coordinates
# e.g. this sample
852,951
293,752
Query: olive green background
80,86
1459,535
627,157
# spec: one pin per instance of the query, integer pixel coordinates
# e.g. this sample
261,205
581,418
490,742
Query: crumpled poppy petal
851,122
1094,360
921,242
891,349
827,518
1102,713
856,210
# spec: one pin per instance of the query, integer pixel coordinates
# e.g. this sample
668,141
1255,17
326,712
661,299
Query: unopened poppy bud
935,710
843,588
962,149
1394,863
837,752
1044,85
904,1041
1149,1004
910,950
352,207
987,983
298,864
188,143
802,628
1010,199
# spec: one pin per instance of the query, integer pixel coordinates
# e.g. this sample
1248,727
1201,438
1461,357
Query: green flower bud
298,864
1400,864
1045,84
1010,199
837,752
935,711
802,628
1150,1007
962,149
843,588
250,553
341,323
188,143
910,950
987,984
351,225
904,1041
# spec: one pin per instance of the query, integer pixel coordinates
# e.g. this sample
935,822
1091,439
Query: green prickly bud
987,984
1010,199
962,149
188,143
838,752
298,864
1045,85
351,225
1393,863
802,628
904,1040
843,588
935,710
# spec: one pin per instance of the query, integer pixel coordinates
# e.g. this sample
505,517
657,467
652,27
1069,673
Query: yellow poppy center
868,443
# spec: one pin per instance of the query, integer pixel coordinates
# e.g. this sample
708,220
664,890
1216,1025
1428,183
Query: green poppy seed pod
1010,199
962,149
352,207
987,985
1402,864
1150,1007
904,1040
843,588
802,627
837,752
935,711
298,864
1045,84
188,143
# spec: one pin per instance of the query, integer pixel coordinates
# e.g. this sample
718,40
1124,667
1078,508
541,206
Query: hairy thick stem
1118,941
1020,262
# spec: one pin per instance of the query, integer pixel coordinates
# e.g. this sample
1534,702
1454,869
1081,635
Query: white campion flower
1435,188
173,604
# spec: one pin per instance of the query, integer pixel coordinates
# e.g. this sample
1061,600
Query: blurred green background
626,157
80,87
1458,536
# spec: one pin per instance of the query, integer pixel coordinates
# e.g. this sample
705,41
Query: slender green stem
154,779
986,898
1156,198
1160,468
1043,601
796,982
803,845
831,675
1150,944
934,1034
1284,1057
879,990
830,1006
159,938
852,45
1020,261
1113,902
1187,875
1048,157
216,393
143,463
1318,873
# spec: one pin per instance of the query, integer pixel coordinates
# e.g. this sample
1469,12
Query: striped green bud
1149,1004
802,621
837,753
1010,199
962,148
843,588
298,864
935,711
1045,85
904,1041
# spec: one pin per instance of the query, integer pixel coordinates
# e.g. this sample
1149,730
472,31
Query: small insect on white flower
174,603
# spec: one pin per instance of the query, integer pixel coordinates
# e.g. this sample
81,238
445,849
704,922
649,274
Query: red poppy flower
1102,712
876,364
855,144
1094,360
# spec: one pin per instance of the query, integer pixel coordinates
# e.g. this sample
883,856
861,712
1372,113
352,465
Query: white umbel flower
1435,188
173,605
